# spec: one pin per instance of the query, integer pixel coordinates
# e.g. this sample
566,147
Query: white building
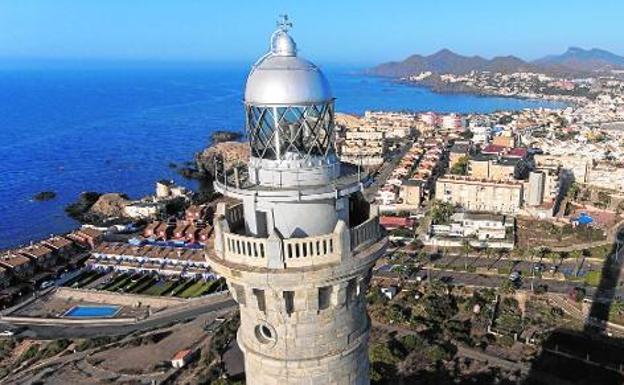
479,229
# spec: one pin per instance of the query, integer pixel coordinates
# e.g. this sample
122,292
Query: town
505,233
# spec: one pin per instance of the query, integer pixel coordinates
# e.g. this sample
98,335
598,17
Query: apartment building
481,195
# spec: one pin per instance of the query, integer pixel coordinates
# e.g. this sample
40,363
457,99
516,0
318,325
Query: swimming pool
92,311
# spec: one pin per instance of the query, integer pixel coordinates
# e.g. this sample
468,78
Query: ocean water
116,129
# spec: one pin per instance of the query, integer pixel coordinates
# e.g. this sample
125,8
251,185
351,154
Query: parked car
46,285
514,276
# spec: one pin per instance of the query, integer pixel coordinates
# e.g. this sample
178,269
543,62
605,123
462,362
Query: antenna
283,23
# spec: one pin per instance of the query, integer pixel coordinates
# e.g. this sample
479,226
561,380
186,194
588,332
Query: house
196,212
87,237
42,256
150,229
179,231
412,192
182,358
63,247
478,229
18,265
163,231
203,234
144,209
395,222
389,291
191,233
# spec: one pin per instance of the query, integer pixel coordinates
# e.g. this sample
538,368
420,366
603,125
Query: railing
311,250
273,252
242,249
366,232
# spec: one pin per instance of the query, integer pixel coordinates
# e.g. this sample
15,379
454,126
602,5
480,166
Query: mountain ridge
573,61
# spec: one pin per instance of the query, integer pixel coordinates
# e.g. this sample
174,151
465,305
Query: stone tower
297,242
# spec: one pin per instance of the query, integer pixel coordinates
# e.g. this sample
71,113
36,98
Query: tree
441,211
573,191
461,166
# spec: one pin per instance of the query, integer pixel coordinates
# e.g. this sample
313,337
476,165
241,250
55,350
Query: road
384,172
38,331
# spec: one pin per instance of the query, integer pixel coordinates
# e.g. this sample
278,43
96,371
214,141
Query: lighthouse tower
297,241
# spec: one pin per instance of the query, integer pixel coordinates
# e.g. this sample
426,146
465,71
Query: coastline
122,137
445,89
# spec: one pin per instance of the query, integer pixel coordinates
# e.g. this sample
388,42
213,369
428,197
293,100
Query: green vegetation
461,167
90,343
28,354
160,288
402,232
6,346
441,211
53,348
195,290
593,278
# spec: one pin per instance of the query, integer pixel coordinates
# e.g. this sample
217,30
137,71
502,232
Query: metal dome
282,78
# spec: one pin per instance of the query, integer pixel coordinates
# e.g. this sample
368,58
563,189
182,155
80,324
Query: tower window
265,333
289,301
260,299
352,291
239,292
324,297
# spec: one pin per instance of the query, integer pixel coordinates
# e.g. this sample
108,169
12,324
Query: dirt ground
142,359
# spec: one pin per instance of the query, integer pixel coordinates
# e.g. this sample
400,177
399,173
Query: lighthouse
296,241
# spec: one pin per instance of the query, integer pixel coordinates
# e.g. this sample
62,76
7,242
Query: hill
579,59
573,61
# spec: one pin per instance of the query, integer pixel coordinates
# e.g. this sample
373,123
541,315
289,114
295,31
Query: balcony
275,252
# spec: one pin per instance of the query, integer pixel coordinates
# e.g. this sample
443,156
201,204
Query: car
514,276
46,285
12,332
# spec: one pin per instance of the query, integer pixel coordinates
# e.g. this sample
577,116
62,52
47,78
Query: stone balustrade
365,233
243,249
277,253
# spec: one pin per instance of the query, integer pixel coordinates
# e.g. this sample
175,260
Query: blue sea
117,128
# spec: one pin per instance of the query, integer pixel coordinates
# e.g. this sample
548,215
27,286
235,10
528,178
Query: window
259,294
324,297
289,301
265,333
294,132
352,290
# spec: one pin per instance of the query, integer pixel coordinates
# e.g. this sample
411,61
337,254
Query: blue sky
335,31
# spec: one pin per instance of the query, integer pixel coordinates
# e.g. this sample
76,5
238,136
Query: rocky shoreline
226,147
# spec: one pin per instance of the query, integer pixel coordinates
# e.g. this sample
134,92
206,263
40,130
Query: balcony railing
278,253
366,232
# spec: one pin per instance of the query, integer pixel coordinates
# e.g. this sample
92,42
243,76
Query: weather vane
283,23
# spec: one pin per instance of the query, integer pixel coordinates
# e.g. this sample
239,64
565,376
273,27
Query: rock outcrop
109,205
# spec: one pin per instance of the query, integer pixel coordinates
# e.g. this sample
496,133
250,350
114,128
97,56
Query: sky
363,32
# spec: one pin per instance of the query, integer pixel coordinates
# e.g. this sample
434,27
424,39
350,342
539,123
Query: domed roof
281,77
